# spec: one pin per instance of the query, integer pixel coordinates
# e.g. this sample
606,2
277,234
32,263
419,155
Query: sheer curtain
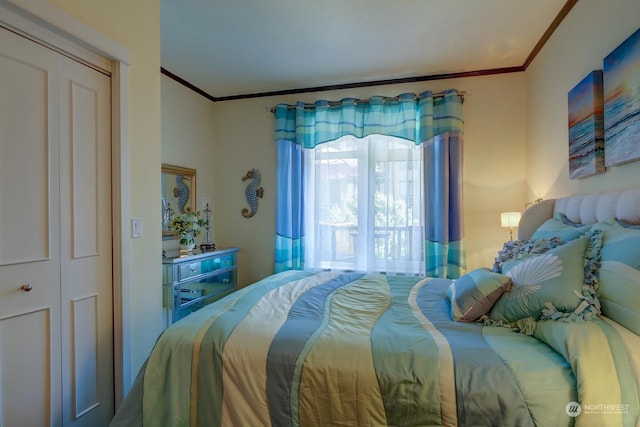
364,205
358,181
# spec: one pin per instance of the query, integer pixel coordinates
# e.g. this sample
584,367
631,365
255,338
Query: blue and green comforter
347,349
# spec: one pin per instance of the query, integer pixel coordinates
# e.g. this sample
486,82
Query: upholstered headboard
584,209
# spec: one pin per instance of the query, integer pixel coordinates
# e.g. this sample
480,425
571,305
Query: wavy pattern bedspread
347,349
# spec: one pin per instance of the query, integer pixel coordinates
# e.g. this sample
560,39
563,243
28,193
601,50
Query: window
363,205
357,204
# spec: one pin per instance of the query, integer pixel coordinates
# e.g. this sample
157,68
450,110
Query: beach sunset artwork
622,102
586,127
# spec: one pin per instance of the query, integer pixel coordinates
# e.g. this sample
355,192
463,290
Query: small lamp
510,220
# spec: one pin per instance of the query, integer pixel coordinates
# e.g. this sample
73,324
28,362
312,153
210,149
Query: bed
303,348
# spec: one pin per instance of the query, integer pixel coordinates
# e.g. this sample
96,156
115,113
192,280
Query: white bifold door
56,327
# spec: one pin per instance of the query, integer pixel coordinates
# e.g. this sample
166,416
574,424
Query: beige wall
187,139
494,178
136,26
590,32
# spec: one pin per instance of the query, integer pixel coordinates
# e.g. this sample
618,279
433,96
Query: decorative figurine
252,192
207,245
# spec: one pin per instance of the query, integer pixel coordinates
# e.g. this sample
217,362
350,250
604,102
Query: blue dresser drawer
191,269
191,282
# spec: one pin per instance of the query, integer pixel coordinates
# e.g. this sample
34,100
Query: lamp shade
510,219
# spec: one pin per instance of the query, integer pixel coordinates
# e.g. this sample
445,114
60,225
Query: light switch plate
136,228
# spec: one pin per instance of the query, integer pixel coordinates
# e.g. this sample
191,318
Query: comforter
347,349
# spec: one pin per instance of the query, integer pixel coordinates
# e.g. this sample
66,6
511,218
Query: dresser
191,282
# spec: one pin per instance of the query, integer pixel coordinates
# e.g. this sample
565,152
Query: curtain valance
414,118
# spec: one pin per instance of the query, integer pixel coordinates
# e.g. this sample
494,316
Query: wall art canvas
586,127
622,102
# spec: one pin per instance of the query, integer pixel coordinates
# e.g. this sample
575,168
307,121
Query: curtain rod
460,93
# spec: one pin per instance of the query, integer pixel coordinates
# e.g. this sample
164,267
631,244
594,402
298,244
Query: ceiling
245,48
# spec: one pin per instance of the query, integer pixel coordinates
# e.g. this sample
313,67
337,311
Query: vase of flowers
188,226
187,242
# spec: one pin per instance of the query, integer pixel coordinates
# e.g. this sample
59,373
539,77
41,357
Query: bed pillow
473,294
619,284
558,226
550,281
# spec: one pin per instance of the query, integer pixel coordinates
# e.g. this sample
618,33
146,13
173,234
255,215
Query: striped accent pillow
474,294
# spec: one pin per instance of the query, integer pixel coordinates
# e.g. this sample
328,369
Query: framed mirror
178,194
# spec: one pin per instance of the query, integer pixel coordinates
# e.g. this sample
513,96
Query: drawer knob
26,287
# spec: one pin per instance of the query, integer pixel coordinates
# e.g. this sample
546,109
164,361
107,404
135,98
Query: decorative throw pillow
619,285
555,227
473,294
551,281
519,249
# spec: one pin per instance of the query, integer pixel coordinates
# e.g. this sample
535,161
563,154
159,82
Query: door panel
25,115
84,146
85,209
85,363
25,357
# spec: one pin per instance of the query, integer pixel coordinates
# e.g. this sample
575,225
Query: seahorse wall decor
252,192
181,191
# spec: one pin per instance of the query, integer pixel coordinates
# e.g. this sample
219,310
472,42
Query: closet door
56,328
30,358
86,276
